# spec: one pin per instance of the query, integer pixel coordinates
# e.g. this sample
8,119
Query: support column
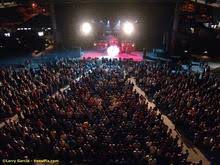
175,28
54,23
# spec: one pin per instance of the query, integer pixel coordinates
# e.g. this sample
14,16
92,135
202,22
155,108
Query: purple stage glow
135,56
113,51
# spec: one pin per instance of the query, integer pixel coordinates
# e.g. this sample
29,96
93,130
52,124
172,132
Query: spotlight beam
128,28
86,28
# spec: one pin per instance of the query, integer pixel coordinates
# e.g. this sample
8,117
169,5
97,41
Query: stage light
7,34
192,30
128,28
86,28
113,51
40,34
108,23
118,25
34,5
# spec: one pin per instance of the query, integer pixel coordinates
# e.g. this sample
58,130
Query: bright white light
7,34
205,52
128,28
86,28
108,23
113,51
192,30
185,51
40,34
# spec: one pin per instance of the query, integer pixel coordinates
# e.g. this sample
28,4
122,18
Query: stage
135,56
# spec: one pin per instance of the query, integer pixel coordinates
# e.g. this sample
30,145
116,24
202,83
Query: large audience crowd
19,87
191,100
99,119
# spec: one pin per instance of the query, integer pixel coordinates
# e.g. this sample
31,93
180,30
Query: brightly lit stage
135,56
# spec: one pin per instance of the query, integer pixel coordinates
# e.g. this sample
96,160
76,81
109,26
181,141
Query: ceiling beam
216,5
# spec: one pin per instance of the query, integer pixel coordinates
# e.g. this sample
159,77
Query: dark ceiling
113,1
213,3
